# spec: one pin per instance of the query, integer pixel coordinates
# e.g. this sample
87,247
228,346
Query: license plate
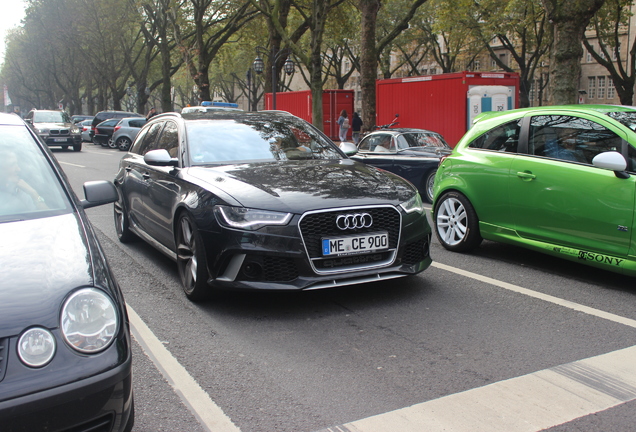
59,140
355,244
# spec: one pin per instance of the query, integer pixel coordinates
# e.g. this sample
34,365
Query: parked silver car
85,129
126,131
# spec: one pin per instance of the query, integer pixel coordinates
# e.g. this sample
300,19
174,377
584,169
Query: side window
169,139
379,143
504,138
570,138
137,123
147,142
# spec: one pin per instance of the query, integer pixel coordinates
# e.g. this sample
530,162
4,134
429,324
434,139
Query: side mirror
613,161
348,148
160,157
99,193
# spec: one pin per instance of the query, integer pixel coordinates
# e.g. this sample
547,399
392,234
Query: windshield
51,117
29,188
255,139
627,118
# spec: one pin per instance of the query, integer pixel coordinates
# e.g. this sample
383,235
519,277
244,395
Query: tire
428,186
456,223
123,143
77,147
111,143
122,224
191,260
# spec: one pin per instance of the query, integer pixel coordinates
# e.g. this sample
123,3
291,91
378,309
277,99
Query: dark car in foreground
65,353
55,128
263,200
559,180
413,154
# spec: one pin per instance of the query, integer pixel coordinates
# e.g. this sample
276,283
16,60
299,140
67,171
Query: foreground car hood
299,186
42,260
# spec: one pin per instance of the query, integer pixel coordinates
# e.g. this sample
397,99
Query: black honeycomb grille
414,252
316,226
277,269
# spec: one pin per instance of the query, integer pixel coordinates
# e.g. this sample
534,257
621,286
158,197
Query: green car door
558,197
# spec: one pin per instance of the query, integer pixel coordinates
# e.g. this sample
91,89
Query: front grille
414,252
316,226
279,269
4,353
57,132
102,424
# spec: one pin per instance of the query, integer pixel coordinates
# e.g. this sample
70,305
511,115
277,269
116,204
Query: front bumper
61,140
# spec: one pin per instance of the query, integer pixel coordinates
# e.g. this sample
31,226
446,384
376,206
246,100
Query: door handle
525,175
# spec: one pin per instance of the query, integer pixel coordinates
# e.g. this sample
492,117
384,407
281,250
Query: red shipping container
298,103
445,103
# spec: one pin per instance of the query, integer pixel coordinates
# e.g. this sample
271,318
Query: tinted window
147,141
503,138
137,123
29,188
169,139
569,138
255,139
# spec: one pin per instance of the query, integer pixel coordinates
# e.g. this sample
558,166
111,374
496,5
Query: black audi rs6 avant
263,200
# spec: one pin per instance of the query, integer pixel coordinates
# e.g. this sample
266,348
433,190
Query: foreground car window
222,141
571,139
29,188
504,138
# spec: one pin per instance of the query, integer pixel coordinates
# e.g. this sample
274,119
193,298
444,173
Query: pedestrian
356,127
151,113
343,122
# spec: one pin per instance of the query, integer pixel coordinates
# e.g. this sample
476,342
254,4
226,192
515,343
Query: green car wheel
456,223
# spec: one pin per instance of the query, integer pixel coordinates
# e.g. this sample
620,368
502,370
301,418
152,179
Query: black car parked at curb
263,200
65,347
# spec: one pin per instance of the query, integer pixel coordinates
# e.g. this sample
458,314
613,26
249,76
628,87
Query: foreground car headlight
89,321
413,205
249,219
36,347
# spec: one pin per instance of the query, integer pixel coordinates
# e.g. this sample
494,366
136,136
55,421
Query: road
502,339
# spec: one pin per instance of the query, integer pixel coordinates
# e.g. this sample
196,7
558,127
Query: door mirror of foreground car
348,148
160,157
613,161
99,193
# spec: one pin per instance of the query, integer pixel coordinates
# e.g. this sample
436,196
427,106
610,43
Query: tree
370,49
569,19
609,24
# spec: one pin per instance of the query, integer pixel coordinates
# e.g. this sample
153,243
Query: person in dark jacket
356,127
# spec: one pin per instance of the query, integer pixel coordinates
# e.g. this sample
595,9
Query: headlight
89,321
413,205
249,219
36,347
75,130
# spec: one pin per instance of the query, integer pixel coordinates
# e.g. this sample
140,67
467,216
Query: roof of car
579,108
397,131
10,119
228,115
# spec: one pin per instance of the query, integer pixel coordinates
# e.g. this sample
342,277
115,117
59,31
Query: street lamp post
259,67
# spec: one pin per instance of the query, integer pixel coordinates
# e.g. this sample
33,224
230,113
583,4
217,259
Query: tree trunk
569,19
368,60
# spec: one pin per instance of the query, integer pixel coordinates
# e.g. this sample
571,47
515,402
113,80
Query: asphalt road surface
502,339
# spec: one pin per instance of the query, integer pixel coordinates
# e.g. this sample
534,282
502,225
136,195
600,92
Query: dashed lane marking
72,164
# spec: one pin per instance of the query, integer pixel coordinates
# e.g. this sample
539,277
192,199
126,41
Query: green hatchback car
559,180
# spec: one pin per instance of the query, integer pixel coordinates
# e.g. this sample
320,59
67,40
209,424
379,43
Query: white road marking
546,297
210,416
528,403
72,164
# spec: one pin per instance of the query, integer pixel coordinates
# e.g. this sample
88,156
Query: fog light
252,269
36,347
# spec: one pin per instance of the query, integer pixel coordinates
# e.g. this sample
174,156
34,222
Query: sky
12,13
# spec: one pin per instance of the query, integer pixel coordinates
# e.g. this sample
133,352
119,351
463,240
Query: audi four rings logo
353,221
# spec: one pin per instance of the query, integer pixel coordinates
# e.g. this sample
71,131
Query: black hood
299,186
42,261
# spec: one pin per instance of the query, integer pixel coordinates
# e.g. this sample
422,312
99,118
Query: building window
502,59
591,87
493,65
589,57
531,93
601,87
611,90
